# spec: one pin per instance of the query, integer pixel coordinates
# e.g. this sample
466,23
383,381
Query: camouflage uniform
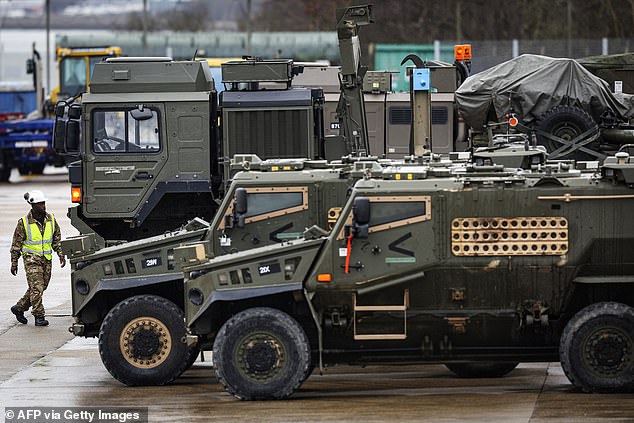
36,267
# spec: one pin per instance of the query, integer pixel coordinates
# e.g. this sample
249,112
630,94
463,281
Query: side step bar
381,336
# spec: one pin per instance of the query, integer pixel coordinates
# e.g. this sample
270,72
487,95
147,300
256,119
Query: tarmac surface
47,367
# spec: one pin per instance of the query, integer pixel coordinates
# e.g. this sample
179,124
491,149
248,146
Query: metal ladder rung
380,308
381,336
376,337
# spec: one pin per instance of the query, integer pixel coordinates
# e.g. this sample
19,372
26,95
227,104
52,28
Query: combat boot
41,321
19,315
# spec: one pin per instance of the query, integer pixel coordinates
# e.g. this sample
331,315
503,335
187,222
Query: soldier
35,238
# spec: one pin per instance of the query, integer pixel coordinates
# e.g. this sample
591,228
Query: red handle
348,250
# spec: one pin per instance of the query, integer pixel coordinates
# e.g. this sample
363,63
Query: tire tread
109,320
296,333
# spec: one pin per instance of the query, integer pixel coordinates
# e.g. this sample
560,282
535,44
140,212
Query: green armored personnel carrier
482,264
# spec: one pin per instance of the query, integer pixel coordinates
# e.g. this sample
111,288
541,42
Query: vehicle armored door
124,153
257,216
378,253
394,238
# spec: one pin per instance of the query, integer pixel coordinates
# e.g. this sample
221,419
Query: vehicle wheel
597,348
24,170
140,341
481,369
37,168
261,353
567,123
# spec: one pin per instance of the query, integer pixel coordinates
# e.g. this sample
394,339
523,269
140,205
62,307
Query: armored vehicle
272,203
483,264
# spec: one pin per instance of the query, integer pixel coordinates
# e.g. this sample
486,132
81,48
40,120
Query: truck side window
115,131
264,203
73,76
388,213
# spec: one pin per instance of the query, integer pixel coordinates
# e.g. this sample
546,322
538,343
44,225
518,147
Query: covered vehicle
566,105
530,85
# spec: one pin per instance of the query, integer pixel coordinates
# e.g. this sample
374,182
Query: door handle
143,175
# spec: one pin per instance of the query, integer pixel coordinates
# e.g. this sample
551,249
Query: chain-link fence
491,53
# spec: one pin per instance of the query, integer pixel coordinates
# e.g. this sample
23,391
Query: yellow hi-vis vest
35,242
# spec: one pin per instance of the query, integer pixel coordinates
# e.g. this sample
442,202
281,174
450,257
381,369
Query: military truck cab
152,154
148,148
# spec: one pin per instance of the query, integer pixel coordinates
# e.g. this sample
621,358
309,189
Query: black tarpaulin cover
537,84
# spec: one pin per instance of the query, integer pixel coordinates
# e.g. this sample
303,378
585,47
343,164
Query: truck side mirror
72,136
240,207
30,66
59,136
360,217
60,108
240,203
74,111
141,114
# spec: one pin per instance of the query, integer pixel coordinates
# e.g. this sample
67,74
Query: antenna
195,54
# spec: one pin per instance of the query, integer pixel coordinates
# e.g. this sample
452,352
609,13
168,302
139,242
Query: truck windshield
116,131
72,76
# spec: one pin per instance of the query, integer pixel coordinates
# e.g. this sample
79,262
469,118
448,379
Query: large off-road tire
141,341
261,353
568,123
483,369
597,348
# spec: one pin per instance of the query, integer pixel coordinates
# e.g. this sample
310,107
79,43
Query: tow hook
77,329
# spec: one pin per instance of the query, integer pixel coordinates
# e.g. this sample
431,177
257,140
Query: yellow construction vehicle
75,66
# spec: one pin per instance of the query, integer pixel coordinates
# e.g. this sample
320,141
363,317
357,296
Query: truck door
126,149
258,216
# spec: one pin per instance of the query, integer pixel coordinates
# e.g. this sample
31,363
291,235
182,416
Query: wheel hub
567,131
261,356
609,351
145,342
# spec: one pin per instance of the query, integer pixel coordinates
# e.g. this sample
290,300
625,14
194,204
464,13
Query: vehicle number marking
269,268
151,262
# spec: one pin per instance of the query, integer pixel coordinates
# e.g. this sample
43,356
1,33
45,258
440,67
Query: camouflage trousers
38,275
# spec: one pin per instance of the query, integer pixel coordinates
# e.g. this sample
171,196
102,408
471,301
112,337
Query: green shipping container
389,57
